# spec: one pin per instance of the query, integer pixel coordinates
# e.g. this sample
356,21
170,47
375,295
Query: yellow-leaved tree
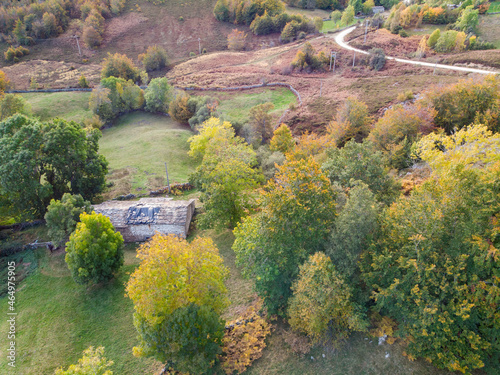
179,293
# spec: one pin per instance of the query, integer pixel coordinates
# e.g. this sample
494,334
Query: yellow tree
210,129
178,293
322,306
351,122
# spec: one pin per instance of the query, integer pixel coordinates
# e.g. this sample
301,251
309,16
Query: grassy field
426,29
308,12
67,105
494,7
235,108
137,147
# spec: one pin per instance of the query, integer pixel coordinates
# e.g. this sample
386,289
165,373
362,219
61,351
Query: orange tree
435,266
297,210
178,293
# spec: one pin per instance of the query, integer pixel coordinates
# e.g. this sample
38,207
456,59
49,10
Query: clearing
71,106
137,147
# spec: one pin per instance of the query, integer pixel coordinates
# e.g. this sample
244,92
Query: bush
178,109
94,251
10,104
377,58
402,33
155,58
158,95
92,363
336,15
62,216
91,37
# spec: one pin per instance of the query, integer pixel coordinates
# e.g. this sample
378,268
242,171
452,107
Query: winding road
339,39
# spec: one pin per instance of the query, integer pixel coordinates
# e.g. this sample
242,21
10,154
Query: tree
355,225
40,162
224,176
221,11
360,162
297,211
347,16
321,305
120,66
10,104
115,96
210,129
282,139
433,38
63,215
357,5
92,363
367,6
155,58
318,23
468,20
434,267
158,95
177,311
399,128
261,121
377,59
82,82
179,109
307,58
351,122
100,103
336,16
91,37
94,250
236,40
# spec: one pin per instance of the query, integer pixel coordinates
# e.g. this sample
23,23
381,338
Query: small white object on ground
381,339
387,355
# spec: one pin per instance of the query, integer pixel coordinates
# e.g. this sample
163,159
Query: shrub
402,33
336,15
318,23
82,82
377,58
158,95
347,16
94,251
155,58
307,58
62,216
192,54
91,37
120,66
10,104
92,363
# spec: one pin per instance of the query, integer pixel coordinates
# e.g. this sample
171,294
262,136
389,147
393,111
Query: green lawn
57,319
137,147
426,29
236,108
67,105
494,7
308,12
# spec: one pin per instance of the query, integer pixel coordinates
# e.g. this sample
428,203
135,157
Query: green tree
321,305
100,103
120,66
468,20
158,95
261,121
82,82
40,162
210,129
177,310
94,250
336,15
10,104
297,211
282,139
92,363
225,175
155,58
347,16
360,162
357,5
63,215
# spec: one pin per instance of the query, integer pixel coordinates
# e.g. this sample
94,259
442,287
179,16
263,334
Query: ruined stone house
140,220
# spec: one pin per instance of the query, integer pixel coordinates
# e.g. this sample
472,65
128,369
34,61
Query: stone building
140,220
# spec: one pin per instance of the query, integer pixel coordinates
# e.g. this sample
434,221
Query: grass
494,7
308,12
138,146
67,105
332,25
426,29
236,108
57,319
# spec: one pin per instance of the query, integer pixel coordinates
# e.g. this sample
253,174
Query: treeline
23,24
264,17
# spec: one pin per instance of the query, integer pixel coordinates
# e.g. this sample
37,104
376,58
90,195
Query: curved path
339,39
